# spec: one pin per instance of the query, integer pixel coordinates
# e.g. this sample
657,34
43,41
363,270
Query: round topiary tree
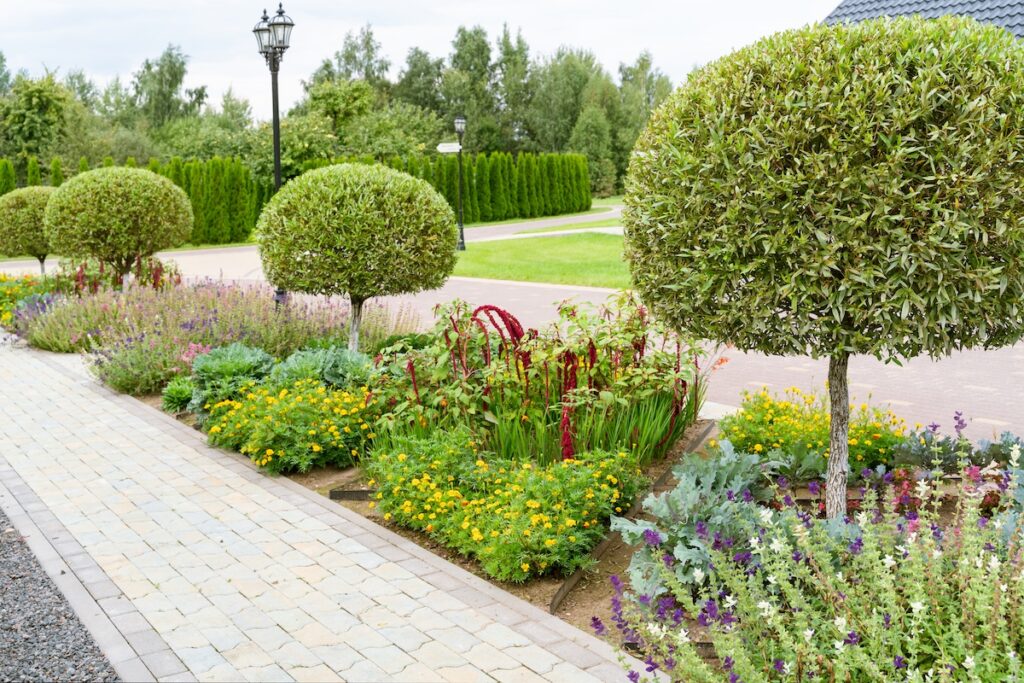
21,223
357,229
839,190
117,215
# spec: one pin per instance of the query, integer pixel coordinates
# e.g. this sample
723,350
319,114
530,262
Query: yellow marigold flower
525,566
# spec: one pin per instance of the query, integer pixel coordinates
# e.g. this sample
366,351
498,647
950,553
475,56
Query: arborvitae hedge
56,172
7,178
497,186
33,176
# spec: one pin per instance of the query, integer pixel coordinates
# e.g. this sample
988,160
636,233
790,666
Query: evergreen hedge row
497,186
226,200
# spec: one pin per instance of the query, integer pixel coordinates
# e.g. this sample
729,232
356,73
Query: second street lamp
272,38
460,130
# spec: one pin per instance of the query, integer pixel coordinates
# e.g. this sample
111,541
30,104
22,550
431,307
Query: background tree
32,117
840,190
592,137
21,224
158,88
420,81
5,76
360,230
33,175
8,179
117,215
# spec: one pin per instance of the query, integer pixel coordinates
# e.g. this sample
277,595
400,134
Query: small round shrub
117,215
21,222
839,190
356,229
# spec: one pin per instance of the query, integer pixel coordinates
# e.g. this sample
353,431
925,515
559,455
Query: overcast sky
112,37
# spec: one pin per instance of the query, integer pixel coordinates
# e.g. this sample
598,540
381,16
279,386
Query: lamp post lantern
273,35
460,130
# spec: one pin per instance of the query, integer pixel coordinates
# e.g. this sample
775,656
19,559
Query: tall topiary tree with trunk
358,230
840,190
117,215
21,223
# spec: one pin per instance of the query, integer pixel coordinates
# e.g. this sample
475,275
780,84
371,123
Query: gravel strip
41,639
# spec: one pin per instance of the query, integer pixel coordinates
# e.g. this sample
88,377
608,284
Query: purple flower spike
933,428
814,487
779,666
633,676
899,663
652,537
598,626
851,638
959,423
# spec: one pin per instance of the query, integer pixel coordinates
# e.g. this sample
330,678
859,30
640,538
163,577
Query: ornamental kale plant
883,597
706,511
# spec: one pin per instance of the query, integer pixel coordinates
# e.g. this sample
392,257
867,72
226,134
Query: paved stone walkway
186,563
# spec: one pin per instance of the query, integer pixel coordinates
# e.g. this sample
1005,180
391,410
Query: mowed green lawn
590,259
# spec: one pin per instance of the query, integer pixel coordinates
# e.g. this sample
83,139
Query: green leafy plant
223,373
337,367
177,394
117,215
885,596
21,223
807,195
706,510
518,519
296,428
358,230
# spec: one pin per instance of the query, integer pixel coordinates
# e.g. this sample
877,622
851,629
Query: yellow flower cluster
297,427
13,288
798,422
518,519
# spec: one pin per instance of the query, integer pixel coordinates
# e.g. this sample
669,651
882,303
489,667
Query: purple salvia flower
814,487
652,537
851,638
598,626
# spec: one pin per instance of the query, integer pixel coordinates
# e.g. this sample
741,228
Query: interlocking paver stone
212,571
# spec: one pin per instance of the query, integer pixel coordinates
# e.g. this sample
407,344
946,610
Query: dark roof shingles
1006,13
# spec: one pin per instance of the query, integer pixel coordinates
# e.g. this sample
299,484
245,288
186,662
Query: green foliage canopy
21,222
838,190
357,229
117,215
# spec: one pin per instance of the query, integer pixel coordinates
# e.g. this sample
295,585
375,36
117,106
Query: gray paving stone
163,663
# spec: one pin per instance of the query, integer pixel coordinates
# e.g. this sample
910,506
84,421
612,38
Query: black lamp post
272,38
460,130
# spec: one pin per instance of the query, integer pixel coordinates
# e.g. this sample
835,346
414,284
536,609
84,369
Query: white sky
112,37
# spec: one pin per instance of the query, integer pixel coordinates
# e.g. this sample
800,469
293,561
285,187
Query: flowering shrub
608,380
797,425
225,372
519,519
886,597
303,426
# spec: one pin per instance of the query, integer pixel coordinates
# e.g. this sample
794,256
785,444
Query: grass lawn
615,200
595,209
607,223
593,260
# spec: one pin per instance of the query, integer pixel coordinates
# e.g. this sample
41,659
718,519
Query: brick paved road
185,563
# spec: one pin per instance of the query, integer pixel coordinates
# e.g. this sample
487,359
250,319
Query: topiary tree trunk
839,434
355,322
42,265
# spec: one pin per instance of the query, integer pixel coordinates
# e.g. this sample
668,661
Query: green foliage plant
117,215
838,190
21,223
334,366
364,231
177,395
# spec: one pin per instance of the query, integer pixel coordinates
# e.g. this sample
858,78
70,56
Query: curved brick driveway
185,563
